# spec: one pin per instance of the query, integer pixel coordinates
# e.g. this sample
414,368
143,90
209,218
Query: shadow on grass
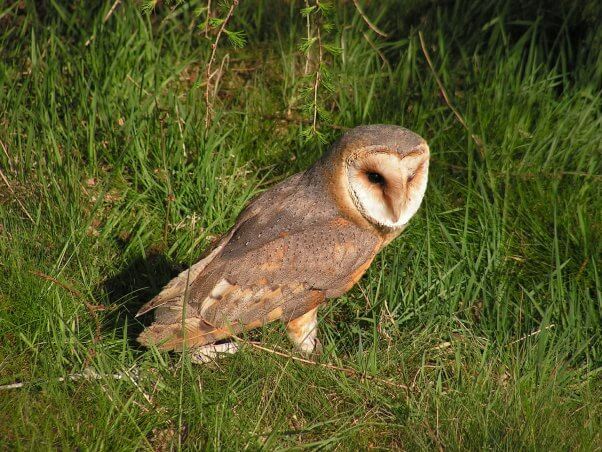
128,290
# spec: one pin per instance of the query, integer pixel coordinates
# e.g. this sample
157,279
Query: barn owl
305,240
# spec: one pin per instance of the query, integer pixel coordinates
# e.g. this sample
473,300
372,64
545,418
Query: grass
479,328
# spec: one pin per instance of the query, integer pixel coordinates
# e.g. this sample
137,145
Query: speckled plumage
294,246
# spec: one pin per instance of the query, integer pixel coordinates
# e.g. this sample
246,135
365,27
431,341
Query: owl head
380,172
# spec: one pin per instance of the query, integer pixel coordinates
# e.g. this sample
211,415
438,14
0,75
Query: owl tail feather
171,336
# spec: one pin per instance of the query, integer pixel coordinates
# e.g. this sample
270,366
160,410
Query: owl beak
394,199
396,209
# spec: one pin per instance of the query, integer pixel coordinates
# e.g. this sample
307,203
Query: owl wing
247,286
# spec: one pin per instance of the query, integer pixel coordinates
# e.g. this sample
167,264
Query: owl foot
209,353
303,332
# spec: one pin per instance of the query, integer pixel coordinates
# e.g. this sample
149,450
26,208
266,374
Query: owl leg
208,353
303,332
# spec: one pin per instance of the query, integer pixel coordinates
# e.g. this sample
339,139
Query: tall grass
479,328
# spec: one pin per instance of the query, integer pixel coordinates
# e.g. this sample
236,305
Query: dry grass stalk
457,114
373,27
209,75
10,188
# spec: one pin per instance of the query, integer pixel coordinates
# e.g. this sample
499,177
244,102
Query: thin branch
458,115
49,278
208,18
534,333
90,374
10,162
380,54
136,84
317,79
220,72
111,11
348,370
180,121
87,374
104,20
208,103
16,197
308,26
373,27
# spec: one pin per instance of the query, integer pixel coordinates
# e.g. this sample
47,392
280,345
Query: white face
386,187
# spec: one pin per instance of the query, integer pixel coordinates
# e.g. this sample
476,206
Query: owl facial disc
386,185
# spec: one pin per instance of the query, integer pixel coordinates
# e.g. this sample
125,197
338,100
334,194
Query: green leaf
148,6
216,21
326,8
306,44
237,39
333,48
307,11
199,10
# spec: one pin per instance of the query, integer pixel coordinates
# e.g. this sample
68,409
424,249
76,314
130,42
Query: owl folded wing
247,284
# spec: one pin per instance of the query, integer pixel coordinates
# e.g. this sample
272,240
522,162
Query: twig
380,54
90,374
111,11
10,162
373,27
368,302
348,370
46,277
220,72
208,18
317,79
16,197
180,121
104,20
308,26
572,173
87,374
460,118
534,333
209,106
136,84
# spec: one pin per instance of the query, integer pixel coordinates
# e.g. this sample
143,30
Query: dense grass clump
480,327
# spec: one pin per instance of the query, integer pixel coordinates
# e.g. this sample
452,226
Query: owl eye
376,178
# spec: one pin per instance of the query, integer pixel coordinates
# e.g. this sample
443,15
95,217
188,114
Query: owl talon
309,347
209,353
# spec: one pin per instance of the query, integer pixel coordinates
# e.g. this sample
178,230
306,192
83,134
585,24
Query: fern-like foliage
318,45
